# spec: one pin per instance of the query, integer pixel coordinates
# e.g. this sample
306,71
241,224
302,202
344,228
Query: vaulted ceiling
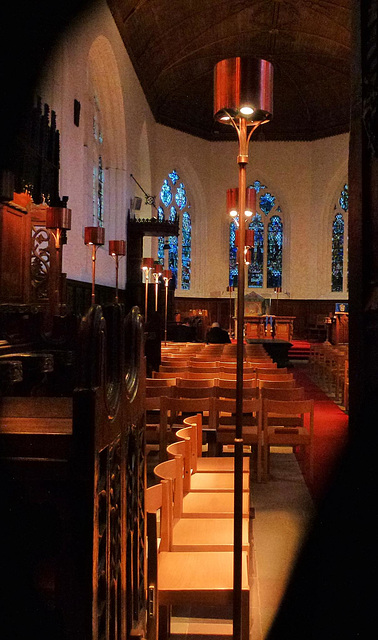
174,45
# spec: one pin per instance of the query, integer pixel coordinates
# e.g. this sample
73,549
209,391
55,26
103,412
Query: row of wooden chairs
329,366
193,562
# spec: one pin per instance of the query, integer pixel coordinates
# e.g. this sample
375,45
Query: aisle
330,433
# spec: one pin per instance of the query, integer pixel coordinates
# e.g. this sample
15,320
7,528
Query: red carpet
330,434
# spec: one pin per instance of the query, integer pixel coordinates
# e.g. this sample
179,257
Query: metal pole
146,298
117,265
93,298
166,312
238,442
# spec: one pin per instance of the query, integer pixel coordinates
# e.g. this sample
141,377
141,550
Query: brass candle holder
156,276
117,249
94,237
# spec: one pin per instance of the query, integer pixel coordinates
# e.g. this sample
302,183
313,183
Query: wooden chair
172,369
250,390
172,413
196,362
201,504
280,435
164,374
190,573
205,481
278,377
199,369
224,425
207,464
279,393
247,375
200,375
200,391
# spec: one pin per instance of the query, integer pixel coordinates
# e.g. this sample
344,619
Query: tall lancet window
266,268
174,203
339,240
98,167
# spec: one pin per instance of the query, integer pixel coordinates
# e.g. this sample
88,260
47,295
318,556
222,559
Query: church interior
187,438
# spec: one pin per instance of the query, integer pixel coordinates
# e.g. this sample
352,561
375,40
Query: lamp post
167,275
147,264
117,249
242,98
95,237
58,222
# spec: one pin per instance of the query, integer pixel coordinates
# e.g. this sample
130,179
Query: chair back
195,362
299,408
199,369
200,382
226,375
159,382
156,392
274,376
158,498
273,382
182,448
278,393
194,392
173,470
163,374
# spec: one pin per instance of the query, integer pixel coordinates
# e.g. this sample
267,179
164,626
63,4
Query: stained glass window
186,249
256,268
339,240
233,278
274,257
98,175
172,194
265,270
337,252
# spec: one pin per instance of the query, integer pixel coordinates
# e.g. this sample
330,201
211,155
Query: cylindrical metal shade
167,273
250,200
147,263
232,200
94,235
117,248
249,237
243,87
157,267
58,218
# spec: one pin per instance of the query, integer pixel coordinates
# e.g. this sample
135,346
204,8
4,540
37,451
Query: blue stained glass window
174,176
267,203
256,268
180,196
258,186
166,194
177,194
186,250
173,258
233,276
337,252
344,197
274,255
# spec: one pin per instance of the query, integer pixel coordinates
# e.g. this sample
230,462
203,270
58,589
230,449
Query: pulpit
258,327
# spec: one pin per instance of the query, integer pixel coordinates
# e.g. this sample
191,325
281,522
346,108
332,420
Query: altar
265,326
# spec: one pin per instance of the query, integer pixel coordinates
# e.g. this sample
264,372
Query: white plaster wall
304,176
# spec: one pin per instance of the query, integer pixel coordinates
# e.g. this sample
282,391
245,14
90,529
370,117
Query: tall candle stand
167,275
156,276
117,249
147,264
94,237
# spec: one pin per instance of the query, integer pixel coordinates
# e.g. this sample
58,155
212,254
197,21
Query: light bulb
246,111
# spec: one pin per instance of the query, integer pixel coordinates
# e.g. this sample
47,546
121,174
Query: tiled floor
283,513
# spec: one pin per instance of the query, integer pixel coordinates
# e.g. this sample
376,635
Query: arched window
173,203
97,165
339,242
265,270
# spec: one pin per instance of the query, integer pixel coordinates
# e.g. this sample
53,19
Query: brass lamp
243,92
147,264
58,222
95,237
117,249
167,275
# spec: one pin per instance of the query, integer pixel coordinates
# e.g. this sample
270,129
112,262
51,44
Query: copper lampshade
243,88
58,218
250,201
117,248
147,263
94,235
157,268
167,273
232,201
